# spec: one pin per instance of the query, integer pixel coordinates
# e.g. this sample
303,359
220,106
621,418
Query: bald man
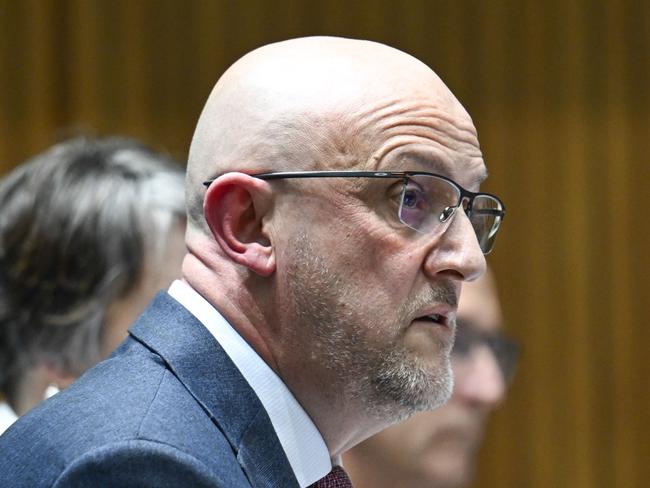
333,214
437,449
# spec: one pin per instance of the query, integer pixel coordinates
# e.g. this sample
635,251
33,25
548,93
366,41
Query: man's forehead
437,157
464,165
320,89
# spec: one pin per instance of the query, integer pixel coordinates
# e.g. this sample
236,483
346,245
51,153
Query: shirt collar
302,442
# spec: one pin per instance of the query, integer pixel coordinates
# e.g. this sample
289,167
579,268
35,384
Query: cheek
395,273
393,256
158,275
123,312
379,266
119,316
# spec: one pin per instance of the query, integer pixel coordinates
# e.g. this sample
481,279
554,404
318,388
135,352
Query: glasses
428,201
504,349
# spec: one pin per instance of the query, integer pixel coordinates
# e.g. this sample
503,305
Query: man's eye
415,207
413,198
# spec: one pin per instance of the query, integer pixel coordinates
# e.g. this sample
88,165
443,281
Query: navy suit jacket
168,408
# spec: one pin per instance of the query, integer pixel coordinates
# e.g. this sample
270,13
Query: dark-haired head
83,226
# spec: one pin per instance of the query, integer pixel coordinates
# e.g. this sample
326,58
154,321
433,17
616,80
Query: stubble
363,351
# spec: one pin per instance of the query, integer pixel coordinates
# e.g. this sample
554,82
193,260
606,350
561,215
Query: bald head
307,103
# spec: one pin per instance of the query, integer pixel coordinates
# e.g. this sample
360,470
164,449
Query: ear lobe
234,207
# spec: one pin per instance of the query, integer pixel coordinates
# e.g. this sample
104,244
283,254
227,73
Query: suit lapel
199,362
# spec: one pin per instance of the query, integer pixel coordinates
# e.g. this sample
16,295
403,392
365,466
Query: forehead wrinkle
394,119
424,132
474,176
423,135
438,122
419,112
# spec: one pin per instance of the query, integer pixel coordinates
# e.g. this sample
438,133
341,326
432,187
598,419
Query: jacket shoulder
143,463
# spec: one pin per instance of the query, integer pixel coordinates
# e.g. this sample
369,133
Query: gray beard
384,378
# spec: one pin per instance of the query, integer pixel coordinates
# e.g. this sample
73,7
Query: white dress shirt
302,442
7,416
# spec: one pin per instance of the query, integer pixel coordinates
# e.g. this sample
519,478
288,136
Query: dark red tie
337,478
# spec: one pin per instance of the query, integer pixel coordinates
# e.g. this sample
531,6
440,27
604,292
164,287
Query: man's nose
479,379
457,252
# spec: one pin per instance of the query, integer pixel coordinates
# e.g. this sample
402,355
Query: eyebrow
439,166
481,177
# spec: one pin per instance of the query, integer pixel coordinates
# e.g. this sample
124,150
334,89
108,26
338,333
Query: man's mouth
434,317
438,318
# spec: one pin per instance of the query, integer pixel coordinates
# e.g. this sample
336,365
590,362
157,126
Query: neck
235,302
246,301
332,403
31,390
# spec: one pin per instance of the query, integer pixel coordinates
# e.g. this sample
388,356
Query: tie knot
337,478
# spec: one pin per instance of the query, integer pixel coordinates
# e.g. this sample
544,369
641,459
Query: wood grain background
560,93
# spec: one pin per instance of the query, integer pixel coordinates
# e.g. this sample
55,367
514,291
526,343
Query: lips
442,315
435,318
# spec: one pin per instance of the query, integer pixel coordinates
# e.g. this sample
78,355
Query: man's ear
234,207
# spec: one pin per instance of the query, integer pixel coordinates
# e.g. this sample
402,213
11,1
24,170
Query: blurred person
333,213
437,449
90,230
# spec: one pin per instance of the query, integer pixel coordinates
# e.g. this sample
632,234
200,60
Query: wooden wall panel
560,93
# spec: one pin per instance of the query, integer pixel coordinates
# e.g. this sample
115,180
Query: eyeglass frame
505,349
464,194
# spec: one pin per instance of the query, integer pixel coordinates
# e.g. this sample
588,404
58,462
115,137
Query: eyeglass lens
429,202
485,216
